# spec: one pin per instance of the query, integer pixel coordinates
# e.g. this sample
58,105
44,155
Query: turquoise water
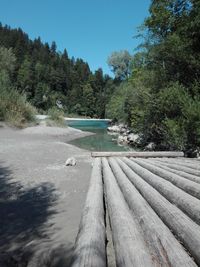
101,141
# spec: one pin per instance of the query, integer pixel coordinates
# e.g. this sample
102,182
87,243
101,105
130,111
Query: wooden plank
144,154
180,173
188,186
164,247
90,245
186,230
187,203
130,247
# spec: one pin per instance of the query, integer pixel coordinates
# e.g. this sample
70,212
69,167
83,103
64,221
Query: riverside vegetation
156,91
159,96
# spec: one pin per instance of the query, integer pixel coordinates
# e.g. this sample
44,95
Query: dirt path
40,198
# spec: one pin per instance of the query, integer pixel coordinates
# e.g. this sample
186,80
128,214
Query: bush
14,108
173,120
115,107
175,136
56,117
191,120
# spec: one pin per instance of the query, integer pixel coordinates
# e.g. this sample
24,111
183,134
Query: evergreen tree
47,76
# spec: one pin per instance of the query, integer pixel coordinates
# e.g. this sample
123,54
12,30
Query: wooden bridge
152,201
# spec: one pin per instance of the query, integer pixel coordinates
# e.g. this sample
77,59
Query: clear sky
88,29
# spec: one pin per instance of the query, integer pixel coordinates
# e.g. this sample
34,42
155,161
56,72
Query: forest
48,77
156,90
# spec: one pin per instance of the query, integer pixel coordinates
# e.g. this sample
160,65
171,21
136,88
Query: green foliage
7,65
183,131
88,100
48,77
191,115
56,117
162,97
7,60
120,64
14,108
25,77
170,62
115,109
174,135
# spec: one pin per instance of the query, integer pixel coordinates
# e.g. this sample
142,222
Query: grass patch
75,115
14,108
56,118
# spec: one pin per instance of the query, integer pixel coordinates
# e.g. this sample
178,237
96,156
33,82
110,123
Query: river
101,141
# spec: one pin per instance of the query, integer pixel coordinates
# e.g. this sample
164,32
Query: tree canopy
161,97
47,76
120,64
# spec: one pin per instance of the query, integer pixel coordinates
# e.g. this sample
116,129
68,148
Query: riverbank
41,198
43,117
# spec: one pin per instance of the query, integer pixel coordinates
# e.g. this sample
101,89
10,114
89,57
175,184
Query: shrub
56,117
191,120
14,108
173,119
175,136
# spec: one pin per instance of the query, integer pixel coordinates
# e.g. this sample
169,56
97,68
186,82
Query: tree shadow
23,219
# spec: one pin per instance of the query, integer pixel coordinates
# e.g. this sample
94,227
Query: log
181,168
187,203
190,187
164,247
130,247
184,163
186,230
180,173
144,154
90,245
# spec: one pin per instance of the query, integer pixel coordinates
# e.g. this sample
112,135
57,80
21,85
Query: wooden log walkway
90,246
153,210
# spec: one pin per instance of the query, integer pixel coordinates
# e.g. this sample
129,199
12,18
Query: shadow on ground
23,220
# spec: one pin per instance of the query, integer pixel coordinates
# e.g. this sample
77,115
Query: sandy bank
41,199
68,133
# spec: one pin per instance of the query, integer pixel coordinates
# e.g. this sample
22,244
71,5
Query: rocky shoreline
125,136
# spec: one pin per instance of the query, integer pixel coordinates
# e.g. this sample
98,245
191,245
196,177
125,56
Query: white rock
114,128
133,138
121,128
112,133
122,139
151,146
70,162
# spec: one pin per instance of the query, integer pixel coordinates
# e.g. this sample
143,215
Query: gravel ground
41,199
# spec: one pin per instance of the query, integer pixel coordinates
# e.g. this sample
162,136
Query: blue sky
88,29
